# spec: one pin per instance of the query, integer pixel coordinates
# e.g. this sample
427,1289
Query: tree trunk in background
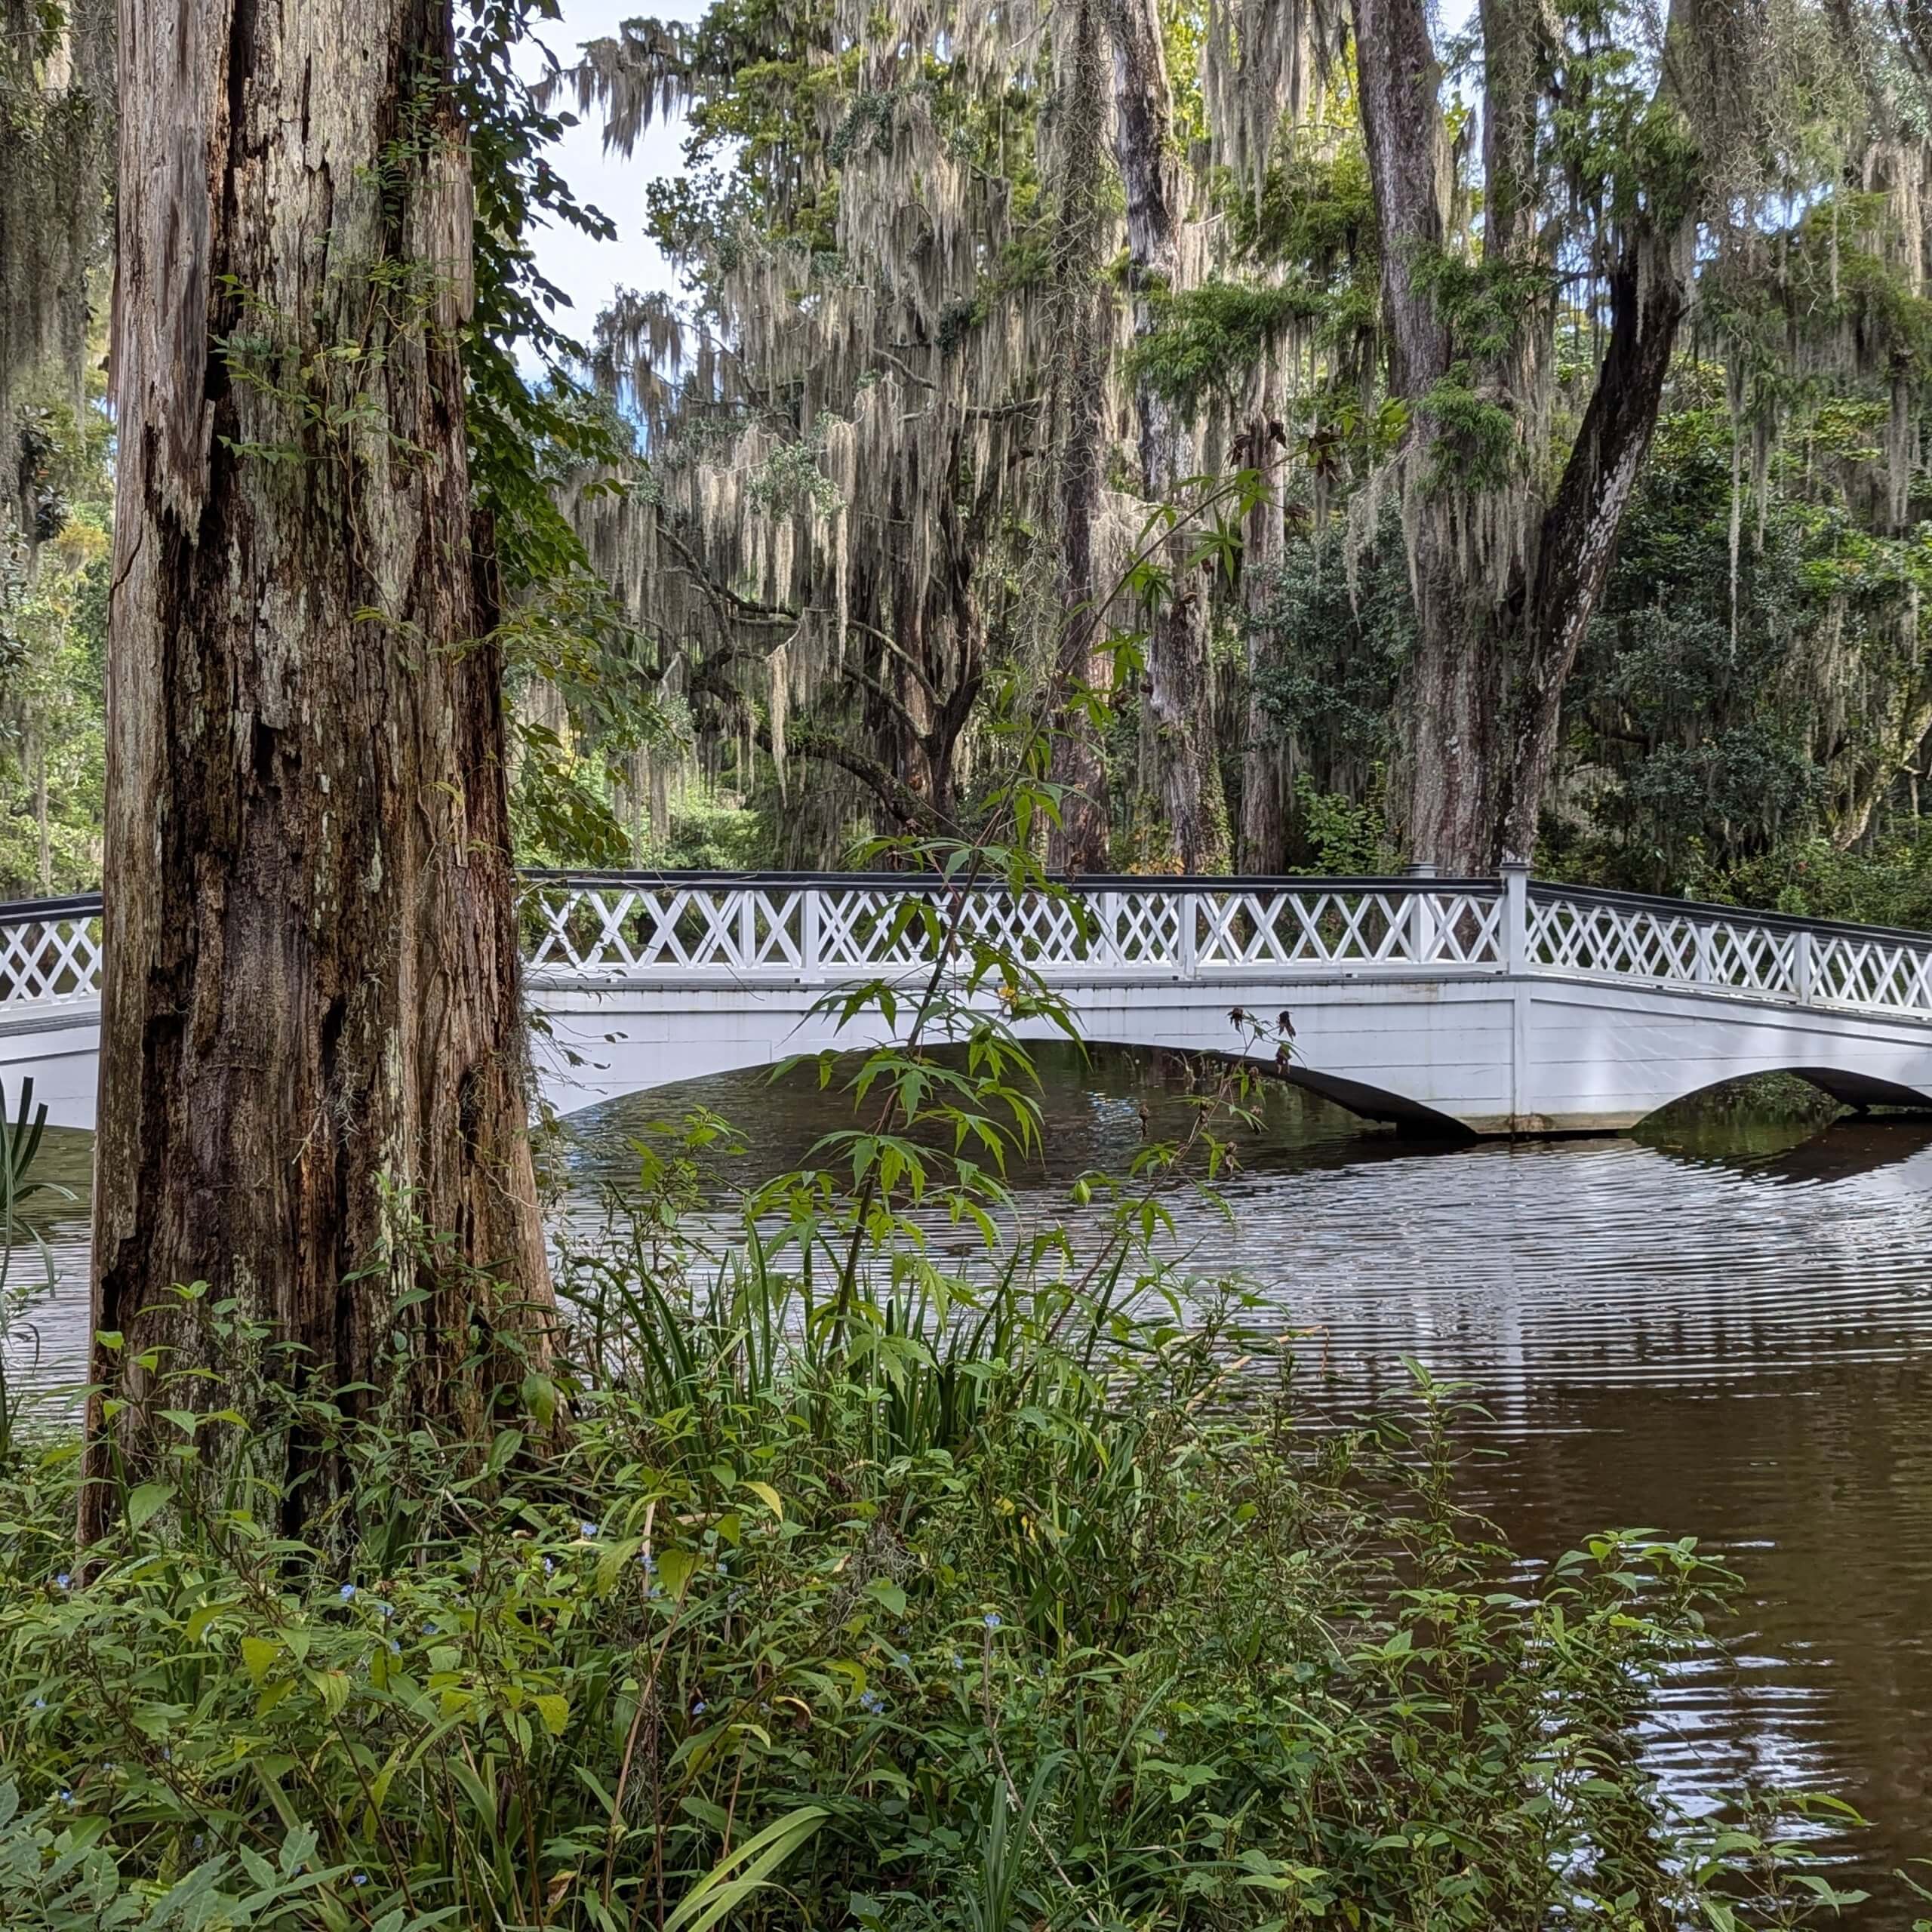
1179,677
311,1045
1449,700
1503,589
1264,822
1649,291
44,843
1079,843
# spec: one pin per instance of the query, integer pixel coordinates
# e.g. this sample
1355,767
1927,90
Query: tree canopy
1500,438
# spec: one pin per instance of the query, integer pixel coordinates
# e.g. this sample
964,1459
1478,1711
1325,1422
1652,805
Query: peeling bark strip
311,1036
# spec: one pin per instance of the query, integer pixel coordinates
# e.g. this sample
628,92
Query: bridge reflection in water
1489,1006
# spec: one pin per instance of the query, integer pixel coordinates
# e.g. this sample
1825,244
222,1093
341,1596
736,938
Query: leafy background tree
778,549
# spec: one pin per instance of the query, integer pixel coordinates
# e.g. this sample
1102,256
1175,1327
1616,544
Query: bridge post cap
1420,869
1510,864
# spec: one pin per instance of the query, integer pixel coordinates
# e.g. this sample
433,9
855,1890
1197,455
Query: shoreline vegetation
1157,436
816,1577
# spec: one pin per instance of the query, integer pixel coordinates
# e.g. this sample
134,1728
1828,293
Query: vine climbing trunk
1179,687
313,1082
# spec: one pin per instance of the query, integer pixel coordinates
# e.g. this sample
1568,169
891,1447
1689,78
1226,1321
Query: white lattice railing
826,928
1604,936
830,928
49,952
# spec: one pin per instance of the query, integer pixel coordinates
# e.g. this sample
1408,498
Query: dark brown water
1722,1328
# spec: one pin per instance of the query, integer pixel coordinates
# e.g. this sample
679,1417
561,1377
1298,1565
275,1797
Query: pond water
1721,1326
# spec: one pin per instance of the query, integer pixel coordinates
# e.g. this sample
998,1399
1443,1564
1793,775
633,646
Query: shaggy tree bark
1449,704
57,149
1503,590
1264,822
1179,684
1079,842
1649,291
312,1045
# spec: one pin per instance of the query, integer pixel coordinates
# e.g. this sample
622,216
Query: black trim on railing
1707,908
1085,882
42,912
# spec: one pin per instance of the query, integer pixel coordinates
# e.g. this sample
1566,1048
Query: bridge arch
600,1053
1851,1087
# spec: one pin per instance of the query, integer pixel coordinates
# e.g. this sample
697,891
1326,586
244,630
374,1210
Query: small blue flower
429,1629
698,1708
1159,1736
360,1878
40,1703
903,1660
347,1591
991,1620
872,1702
396,1649
723,1568
167,1753
66,1796
647,1563
63,1582
591,1529
199,1841
550,1568
959,1662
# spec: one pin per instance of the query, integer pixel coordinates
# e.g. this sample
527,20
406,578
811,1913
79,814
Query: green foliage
531,423
1479,446
561,807
1699,709
1887,884
1344,839
1315,209
831,1580
713,832
53,639
20,1141
1209,338
1005,1618
1486,302
521,433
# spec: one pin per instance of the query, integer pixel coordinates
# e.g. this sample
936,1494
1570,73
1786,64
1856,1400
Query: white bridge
1495,1006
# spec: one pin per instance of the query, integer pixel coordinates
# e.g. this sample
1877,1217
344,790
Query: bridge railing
1669,943
830,927
609,928
50,951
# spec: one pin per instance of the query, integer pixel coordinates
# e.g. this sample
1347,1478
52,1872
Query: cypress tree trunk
1498,628
1083,313
1180,677
1264,821
1449,700
312,1043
